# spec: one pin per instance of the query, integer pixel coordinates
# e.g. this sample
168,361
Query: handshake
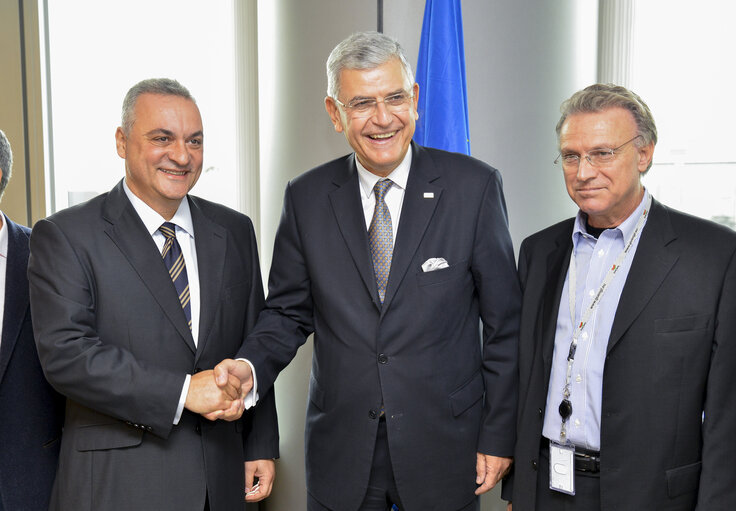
218,393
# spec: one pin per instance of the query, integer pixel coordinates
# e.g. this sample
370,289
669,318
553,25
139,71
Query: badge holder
562,467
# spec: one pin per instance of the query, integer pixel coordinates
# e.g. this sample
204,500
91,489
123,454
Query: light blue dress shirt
593,259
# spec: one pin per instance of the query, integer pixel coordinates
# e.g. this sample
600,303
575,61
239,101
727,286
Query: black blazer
113,338
671,357
31,412
446,393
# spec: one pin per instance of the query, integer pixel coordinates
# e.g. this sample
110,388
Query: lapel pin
429,195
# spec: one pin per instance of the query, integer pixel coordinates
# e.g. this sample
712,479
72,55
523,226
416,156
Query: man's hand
490,470
224,373
265,471
207,397
508,506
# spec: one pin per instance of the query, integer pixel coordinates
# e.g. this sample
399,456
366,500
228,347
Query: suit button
540,412
372,414
197,370
382,358
534,464
198,429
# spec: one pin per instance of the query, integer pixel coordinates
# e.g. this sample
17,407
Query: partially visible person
31,412
628,336
136,295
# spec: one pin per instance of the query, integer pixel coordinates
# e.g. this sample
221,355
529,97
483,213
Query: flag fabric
443,96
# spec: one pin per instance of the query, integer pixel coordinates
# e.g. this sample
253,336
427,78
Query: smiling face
607,193
381,140
163,151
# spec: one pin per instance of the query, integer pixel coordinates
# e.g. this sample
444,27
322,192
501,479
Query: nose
179,153
382,116
585,169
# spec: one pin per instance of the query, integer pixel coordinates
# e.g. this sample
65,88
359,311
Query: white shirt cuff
252,398
182,399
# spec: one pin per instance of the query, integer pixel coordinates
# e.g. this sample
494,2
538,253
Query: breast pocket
431,278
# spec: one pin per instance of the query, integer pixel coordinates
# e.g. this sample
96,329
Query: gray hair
599,97
163,86
363,50
6,162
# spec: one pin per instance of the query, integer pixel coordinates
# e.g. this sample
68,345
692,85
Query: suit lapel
129,234
652,262
211,242
558,261
416,213
346,205
16,286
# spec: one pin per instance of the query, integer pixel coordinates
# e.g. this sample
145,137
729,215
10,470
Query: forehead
376,81
591,128
163,110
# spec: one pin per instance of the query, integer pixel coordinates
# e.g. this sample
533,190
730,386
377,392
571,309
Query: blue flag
443,96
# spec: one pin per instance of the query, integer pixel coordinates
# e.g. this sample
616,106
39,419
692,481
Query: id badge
562,468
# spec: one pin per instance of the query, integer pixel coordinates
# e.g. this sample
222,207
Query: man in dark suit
32,413
392,256
136,294
628,336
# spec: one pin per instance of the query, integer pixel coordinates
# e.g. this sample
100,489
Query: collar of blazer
16,286
129,234
416,213
652,262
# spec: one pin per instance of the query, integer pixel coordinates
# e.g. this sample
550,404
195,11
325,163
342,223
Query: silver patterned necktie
380,237
174,261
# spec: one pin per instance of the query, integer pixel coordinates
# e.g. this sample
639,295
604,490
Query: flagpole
380,15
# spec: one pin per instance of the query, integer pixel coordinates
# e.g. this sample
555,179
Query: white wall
522,60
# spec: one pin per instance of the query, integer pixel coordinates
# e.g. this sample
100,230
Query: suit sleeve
286,321
261,431
718,478
497,285
76,361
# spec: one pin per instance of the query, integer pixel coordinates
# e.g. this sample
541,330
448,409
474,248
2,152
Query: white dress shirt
185,236
3,266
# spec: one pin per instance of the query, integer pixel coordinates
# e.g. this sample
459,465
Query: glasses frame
613,152
372,111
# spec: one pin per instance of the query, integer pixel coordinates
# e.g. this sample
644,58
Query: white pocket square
434,263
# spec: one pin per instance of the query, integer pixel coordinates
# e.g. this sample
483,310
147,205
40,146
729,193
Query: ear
416,101
334,112
646,153
120,142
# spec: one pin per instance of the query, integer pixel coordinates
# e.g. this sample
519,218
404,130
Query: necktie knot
168,229
381,188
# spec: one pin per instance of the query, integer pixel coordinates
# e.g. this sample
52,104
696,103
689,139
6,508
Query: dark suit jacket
446,393
31,413
671,356
113,338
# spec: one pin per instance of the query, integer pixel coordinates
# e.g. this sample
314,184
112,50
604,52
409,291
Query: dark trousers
587,490
382,493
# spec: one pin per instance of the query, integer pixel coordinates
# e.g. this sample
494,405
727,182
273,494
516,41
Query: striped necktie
174,261
380,237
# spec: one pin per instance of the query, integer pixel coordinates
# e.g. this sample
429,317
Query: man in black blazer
32,413
408,403
645,396
136,295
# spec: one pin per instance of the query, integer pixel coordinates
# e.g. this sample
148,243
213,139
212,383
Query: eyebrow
169,133
359,98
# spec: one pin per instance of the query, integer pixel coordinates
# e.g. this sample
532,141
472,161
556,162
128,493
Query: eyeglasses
366,107
597,158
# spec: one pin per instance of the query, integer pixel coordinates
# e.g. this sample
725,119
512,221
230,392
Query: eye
196,141
363,104
161,138
602,155
396,99
570,158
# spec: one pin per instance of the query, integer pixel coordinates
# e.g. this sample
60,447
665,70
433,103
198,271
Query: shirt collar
152,220
625,229
4,237
400,175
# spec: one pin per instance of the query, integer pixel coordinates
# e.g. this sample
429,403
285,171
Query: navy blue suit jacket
447,391
31,412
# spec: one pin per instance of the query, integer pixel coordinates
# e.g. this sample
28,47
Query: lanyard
565,408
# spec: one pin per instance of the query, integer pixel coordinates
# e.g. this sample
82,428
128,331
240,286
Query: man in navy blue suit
30,409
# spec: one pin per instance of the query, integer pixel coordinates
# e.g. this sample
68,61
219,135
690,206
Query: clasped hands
218,393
